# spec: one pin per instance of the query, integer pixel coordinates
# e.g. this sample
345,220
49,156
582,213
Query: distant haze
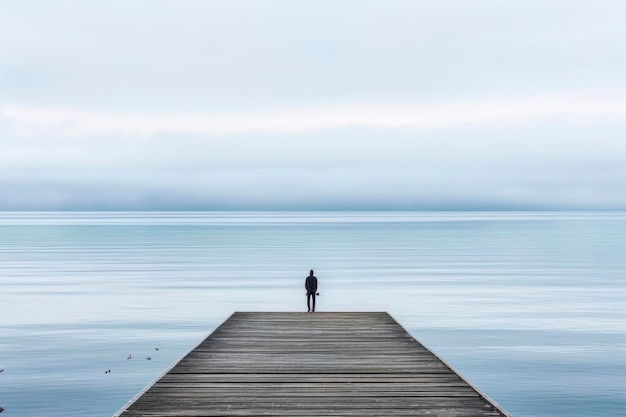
307,105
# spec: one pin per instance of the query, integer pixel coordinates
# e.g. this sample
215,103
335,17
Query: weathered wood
302,364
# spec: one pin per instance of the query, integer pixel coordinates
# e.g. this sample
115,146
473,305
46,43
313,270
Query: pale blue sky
312,104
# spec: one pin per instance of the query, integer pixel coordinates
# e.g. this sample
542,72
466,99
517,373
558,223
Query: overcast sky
282,105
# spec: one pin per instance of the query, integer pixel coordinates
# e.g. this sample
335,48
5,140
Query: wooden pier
311,364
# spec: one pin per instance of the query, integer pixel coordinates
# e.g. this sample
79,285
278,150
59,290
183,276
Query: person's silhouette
310,283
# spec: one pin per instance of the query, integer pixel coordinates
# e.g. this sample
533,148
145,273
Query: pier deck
311,364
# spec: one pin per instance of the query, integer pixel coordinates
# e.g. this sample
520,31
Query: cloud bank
389,115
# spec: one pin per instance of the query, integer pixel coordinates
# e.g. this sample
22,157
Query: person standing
310,283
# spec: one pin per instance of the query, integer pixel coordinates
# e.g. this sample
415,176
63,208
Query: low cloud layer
573,164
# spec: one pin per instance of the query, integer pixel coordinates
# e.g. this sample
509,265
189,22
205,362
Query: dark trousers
310,295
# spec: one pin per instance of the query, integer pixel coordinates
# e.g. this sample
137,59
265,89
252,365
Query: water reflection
528,306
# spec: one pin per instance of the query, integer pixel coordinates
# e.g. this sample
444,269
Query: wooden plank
311,364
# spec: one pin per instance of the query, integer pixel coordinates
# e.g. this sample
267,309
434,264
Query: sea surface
529,306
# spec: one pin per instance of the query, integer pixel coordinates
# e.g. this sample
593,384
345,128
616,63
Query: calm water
531,307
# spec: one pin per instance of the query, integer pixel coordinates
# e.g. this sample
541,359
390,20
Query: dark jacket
310,284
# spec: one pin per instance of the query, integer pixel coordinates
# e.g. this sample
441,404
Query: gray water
530,307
